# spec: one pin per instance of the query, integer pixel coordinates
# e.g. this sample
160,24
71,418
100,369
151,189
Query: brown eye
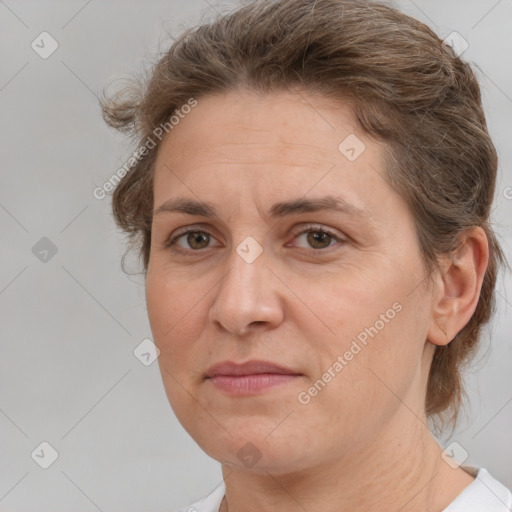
189,241
318,239
198,239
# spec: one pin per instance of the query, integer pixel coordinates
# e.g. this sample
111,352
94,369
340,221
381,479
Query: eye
195,238
318,238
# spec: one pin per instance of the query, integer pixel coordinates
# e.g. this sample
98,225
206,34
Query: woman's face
334,295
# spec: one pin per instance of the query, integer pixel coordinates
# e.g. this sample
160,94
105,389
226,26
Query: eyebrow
278,210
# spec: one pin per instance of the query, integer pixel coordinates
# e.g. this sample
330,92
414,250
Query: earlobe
458,288
438,334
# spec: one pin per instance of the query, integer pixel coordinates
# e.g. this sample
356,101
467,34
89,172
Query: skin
362,443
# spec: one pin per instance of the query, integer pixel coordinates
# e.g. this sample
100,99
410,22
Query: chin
251,448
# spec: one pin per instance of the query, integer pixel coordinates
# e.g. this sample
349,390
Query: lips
254,367
250,378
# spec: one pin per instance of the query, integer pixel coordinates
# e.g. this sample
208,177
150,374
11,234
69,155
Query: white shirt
484,494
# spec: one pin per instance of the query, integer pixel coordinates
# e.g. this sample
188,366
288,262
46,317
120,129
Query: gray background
70,324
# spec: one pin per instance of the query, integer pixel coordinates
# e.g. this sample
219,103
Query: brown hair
406,88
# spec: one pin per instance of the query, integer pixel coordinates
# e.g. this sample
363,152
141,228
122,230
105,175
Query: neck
401,470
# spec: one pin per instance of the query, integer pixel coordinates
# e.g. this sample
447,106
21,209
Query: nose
247,297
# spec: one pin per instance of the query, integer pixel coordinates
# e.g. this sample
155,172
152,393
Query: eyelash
171,243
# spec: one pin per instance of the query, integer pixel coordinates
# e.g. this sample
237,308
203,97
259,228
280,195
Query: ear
457,289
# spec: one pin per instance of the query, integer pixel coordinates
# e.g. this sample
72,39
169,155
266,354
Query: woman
311,200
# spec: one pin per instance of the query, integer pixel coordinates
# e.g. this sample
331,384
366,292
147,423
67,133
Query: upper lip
248,368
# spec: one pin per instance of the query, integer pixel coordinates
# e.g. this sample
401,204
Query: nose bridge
244,294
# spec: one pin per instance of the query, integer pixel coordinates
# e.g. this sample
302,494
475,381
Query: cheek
170,306
170,298
381,362
369,384
167,307
373,347
161,306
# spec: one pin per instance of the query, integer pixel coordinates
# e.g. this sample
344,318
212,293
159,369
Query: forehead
282,145
283,123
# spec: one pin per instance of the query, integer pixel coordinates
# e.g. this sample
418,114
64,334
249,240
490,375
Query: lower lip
250,384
